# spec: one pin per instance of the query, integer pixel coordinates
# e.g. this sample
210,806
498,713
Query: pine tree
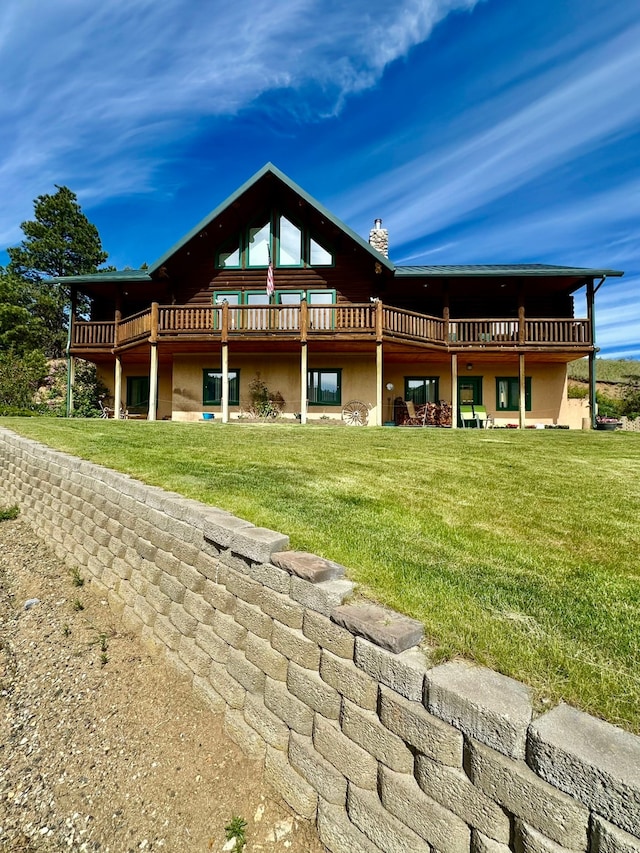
59,242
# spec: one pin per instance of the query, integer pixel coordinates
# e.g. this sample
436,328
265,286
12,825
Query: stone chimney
379,238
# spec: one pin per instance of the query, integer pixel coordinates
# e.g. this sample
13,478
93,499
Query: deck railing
93,334
366,321
483,332
408,324
134,328
556,332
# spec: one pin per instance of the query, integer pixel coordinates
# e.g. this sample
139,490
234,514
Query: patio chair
473,415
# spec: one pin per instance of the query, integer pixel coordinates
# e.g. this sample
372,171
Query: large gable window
281,240
290,244
258,246
318,255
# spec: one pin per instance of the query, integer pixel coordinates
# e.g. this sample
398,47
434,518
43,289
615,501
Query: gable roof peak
270,168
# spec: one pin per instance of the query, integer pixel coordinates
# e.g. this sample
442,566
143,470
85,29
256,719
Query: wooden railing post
521,325
304,322
224,330
379,320
155,313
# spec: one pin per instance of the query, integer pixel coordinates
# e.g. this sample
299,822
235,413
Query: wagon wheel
355,413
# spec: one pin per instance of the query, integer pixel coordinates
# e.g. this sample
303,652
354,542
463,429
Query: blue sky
481,131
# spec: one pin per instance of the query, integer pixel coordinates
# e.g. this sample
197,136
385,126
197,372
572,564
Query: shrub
264,403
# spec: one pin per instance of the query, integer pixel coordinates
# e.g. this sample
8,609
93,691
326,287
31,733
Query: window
137,394
508,393
294,245
212,387
259,246
324,387
318,255
421,389
289,245
229,256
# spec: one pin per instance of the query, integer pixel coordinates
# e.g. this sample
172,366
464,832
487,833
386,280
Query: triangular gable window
318,255
287,244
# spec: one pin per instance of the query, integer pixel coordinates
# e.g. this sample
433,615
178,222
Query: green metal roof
115,275
496,270
269,168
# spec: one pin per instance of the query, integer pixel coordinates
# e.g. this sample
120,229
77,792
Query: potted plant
607,423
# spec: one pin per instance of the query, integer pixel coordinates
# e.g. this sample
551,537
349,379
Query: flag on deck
270,285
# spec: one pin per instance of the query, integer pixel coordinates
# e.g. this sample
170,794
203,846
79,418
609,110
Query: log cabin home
345,334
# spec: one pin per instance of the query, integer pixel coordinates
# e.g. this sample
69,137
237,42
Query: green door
469,392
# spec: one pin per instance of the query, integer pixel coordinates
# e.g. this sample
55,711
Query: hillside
607,369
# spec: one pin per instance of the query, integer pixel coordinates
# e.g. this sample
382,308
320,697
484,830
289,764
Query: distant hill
607,369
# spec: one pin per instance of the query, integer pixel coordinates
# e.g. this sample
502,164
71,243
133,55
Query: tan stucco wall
180,390
280,373
106,376
548,389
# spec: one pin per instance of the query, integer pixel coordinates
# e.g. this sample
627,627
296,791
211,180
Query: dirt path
103,747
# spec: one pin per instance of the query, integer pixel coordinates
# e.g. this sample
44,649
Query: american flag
270,285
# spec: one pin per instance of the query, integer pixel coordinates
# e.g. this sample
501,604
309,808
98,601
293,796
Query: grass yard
520,550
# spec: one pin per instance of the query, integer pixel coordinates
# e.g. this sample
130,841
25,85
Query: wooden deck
373,321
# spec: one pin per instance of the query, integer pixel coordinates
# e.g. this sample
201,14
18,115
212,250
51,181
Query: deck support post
304,359
592,354
117,388
224,339
454,390
522,406
153,368
304,370
225,383
71,381
379,363
153,383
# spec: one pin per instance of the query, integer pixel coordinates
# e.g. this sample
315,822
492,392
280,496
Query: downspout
72,313
68,352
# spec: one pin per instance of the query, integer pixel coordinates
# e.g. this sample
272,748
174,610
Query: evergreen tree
60,241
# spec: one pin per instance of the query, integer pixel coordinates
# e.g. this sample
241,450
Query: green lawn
518,549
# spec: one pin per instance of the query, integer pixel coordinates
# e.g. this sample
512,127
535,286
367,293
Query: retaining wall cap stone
595,762
483,704
308,566
258,543
381,626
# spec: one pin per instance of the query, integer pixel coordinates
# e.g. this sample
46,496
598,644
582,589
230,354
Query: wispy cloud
92,94
587,102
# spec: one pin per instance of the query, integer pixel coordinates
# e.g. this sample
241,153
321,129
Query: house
346,332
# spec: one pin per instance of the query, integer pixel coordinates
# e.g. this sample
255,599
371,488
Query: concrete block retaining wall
356,730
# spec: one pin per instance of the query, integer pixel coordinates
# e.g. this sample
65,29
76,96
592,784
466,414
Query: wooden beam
521,318
117,388
379,377
522,403
225,380
304,324
304,371
155,313
454,391
153,382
